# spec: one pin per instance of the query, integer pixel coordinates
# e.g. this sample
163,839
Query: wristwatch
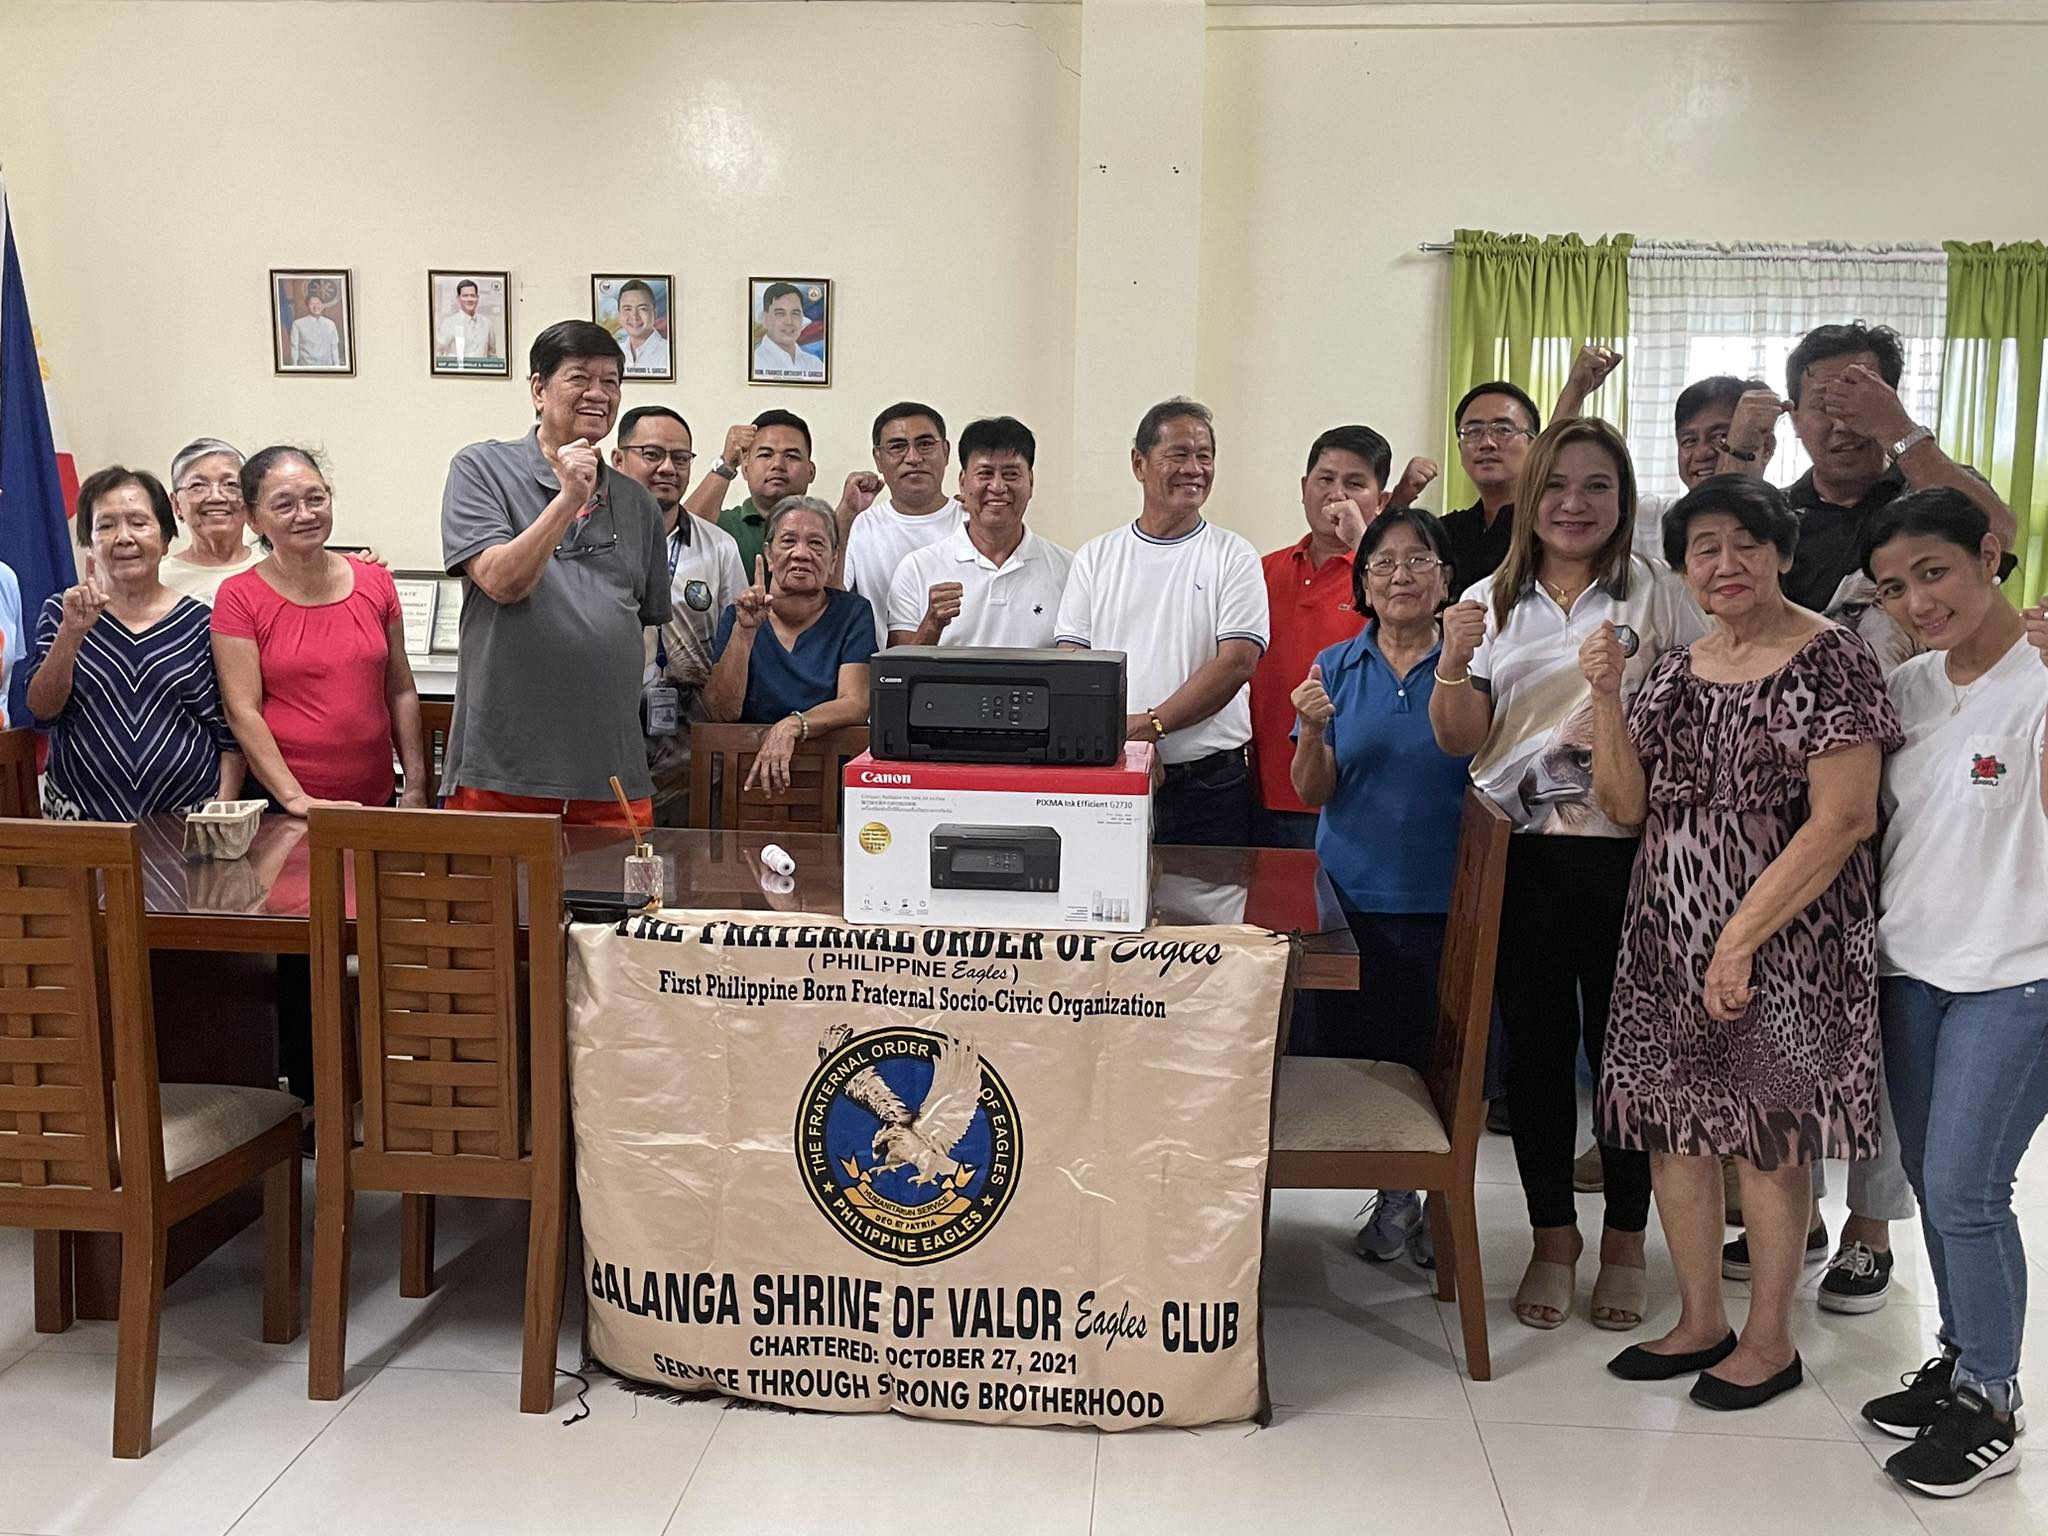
723,470
1910,441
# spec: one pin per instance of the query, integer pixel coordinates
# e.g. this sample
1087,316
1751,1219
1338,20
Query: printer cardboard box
1000,846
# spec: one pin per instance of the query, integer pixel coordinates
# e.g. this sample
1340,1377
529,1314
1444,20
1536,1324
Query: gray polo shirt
547,690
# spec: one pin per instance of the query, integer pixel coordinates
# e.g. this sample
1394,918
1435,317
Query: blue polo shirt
779,681
1388,838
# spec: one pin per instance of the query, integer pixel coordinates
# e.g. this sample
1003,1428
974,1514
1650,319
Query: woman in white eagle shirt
1509,690
1962,939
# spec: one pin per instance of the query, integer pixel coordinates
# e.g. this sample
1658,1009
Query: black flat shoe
1639,1364
1726,1397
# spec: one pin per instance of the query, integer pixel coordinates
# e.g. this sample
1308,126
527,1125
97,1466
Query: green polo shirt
748,525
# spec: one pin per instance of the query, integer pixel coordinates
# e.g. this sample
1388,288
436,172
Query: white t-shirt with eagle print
1537,762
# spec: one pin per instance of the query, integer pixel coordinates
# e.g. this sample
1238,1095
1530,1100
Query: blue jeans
1969,1083
1207,802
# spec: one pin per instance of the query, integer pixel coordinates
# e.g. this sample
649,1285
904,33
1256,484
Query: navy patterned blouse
143,730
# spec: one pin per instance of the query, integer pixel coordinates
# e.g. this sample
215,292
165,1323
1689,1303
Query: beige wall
1338,138
165,155
930,158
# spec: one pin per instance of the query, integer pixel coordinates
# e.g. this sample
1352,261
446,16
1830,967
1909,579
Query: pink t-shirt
323,679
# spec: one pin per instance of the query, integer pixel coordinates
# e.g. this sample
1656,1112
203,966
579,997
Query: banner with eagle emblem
1013,1177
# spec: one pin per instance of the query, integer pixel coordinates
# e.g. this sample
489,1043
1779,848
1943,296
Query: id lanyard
675,556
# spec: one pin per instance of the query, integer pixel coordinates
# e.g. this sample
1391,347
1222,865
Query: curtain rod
1717,253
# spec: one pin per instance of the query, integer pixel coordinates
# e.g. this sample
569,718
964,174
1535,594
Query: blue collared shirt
1388,837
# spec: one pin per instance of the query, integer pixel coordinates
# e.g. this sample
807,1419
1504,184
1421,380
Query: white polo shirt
1167,604
1963,893
880,540
1649,540
771,362
652,358
1015,603
1536,763
705,578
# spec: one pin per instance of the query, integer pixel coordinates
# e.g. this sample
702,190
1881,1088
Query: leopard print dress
1796,1077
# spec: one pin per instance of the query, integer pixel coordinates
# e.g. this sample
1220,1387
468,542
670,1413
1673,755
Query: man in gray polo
563,571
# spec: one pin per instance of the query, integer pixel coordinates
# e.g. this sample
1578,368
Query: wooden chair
721,757
437,719
1341,1124
18,794
89,1140
461,1067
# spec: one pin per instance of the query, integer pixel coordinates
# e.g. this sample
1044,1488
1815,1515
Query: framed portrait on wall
466,316
636,310
312,321
789,330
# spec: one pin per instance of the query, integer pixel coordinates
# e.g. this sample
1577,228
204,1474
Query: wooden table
210,924
257,905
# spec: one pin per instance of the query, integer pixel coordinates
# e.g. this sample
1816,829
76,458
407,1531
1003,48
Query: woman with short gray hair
793,652
206,492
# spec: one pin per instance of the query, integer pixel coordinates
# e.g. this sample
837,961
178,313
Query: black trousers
1392,1015
1206,802
1560,933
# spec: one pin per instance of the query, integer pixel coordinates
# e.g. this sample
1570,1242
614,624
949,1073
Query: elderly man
989,580
1185,601
911,455
564,568
704,577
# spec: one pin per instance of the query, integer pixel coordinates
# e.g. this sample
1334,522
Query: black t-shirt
1477,546
1831,537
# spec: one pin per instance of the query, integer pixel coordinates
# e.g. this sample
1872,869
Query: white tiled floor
1374,1427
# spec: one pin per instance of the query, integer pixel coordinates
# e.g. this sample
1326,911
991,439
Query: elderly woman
1509,690
311,652
206,479
1962,950
792,653
123,674
1744,1020
1364,753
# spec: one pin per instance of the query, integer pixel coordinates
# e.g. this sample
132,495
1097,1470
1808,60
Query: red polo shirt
1311,610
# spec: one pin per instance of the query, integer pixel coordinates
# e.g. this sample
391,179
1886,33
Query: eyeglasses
315,502
897,448
1415,565
584,539
1502,432
227,490
652,456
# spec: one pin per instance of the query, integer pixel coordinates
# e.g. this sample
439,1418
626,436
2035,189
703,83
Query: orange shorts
574,813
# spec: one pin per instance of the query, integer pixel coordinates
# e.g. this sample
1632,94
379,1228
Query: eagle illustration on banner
927,1139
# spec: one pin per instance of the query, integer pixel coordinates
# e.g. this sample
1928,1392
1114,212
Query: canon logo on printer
867,776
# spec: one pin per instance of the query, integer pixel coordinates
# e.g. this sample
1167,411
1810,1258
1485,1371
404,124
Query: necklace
1563,596
1962,694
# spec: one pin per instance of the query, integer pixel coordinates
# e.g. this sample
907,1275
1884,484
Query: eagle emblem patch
908,1142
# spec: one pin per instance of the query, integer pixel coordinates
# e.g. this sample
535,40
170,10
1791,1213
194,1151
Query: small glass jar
643,876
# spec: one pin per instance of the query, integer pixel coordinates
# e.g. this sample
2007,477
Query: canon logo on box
869,777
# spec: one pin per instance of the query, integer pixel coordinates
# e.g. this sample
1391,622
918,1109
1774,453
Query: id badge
661,709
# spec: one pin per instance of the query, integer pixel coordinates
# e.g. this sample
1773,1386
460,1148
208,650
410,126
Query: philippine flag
38,479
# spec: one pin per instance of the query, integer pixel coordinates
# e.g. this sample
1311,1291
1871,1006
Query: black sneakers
1903,1415
1735,1255
1967,1444
1858,1279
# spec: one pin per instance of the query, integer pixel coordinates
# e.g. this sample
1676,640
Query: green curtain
1521,307
1991,405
